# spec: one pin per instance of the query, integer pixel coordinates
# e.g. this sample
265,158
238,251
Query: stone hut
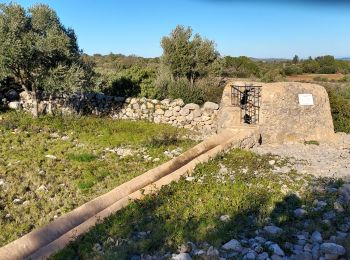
284,112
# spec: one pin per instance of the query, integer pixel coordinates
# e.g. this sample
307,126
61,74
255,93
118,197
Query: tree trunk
49,109
192,80
35,110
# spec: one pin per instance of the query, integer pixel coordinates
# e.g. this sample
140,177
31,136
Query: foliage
184,90
188,56
86,165
272,75
212,88
340,107
295,59
327,64
293,69
241,67
310,66
35,47
135,81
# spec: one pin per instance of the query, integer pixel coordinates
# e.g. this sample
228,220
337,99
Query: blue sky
259,29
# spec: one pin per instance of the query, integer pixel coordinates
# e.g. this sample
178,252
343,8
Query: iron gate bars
248,99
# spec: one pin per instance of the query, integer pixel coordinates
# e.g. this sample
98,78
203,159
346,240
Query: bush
318,78
272,76
212,89
135,81
292,70
346,78
340,108
183,89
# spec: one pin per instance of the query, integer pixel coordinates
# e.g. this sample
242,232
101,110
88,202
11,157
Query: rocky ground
287,215
330,160
305,245
323,159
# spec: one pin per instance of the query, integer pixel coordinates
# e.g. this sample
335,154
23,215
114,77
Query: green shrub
318,78
212,89
272,76
135,81
183,89
292,70
346,78
340,108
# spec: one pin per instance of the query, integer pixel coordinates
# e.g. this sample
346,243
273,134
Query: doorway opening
247,98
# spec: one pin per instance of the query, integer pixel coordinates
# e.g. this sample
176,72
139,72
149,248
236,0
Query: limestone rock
210,106
273,230
182,256
168,113
192,106
14,105
332,248
160,111
184,111
275,248
316,237
300,213
233,244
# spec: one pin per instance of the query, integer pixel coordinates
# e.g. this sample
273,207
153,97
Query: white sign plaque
306,99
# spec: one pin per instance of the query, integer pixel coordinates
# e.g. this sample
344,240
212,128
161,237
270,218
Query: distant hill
345,58
269,60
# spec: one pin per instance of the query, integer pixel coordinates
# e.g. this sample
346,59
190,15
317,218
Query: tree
327,64
240,67
295,59
39,52
310,66
188,56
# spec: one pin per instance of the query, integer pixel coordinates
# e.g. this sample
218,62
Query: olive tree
187,55
39,52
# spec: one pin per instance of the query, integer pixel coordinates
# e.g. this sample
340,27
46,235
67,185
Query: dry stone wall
174,112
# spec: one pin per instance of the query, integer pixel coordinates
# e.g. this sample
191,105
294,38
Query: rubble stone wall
174,112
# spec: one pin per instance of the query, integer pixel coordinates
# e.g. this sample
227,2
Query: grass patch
83,157
312,142
239,184
55,164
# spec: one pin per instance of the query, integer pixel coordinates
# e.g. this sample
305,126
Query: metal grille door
248,99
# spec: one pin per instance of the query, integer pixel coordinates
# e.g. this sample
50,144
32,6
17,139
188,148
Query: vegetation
239,184
51,165
340,106
38,53
312,142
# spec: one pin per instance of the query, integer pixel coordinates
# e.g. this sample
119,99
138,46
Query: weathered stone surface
282,118
333,249
210,106
234,245
165,111
273,230
160,111
197,113
182,256
14,105
184,112
192,106
168,113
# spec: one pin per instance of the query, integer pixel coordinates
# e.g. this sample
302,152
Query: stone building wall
283,119
174,112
